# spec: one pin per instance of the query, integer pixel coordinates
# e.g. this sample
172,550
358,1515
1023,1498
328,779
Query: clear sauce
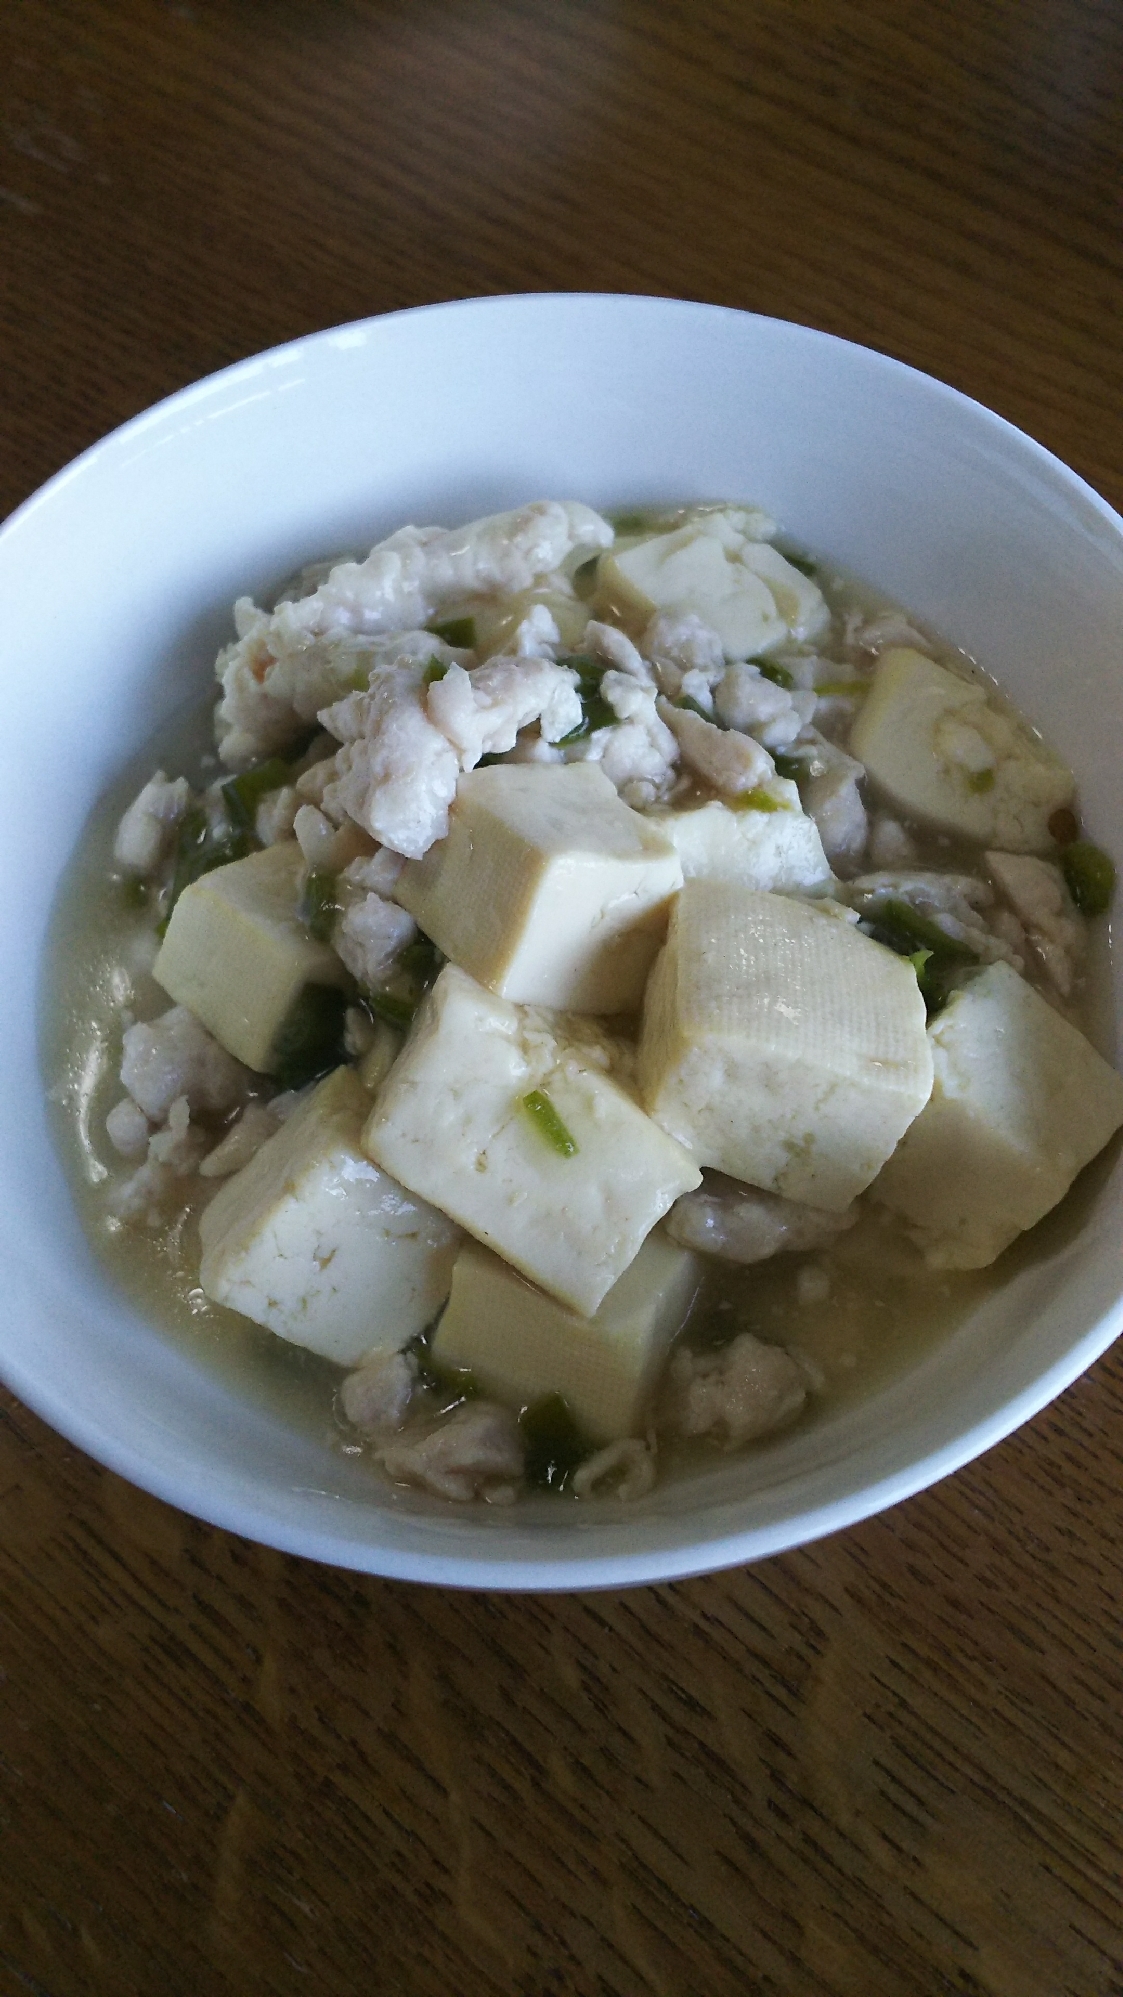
884,1308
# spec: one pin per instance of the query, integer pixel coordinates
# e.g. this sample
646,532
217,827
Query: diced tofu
238,955
521,1345
451,1122
743,588
548,889
313,1241
782,1047
944,752
1020,1103
778,851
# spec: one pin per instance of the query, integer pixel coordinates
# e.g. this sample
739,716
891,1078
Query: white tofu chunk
742,587
313,1241
237,955
521,1345
776,851
943,751
452,1123
782,1047
548,889
1020,1103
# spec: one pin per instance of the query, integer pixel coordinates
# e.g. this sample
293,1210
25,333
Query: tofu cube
943,750
776,851
238,956
741,586
548,889
521,1345
783,1047
1020,1103
313,1241
452,1123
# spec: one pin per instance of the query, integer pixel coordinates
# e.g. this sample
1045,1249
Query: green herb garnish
395,1011
981,780
199,850
842,689
242,794
791,767
548,1123
555,1446
595,710
310,1042
770,669
1090,875
757,799
319,905
459,632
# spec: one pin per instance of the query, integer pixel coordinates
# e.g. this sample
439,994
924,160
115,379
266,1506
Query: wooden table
889,1764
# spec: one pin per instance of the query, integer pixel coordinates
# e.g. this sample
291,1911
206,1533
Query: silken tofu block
1020,1103
943,750
314,1241
451,1122
782,1047
778,851
548,889
521,1345
238,955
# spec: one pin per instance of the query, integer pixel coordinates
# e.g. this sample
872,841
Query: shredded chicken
128,1129
174,1056
745,699
370,935
1040,900
624,1469
302,656
679,644
604,641
890,845
828,787
273,819
376,1397
481,713
870,635
146,831
741,1223
640,755
737,1394
174,1154
396,774
376,875
475,1452
731,762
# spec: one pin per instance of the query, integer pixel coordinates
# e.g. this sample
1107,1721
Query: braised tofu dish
608,987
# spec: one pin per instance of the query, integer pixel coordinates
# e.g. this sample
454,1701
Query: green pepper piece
457,631
555,1446
319,905
242,794
1090,875
310,1041
548,1123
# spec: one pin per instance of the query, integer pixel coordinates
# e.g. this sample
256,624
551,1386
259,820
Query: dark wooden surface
889,1764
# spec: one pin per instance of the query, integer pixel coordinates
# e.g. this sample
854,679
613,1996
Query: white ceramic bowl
117,580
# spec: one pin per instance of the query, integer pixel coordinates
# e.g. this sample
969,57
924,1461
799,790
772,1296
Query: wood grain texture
886,1764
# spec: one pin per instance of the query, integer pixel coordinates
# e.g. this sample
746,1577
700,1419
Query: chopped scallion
757,799
242,794
457,631
319,905
770,669
555,1446
981,780
548,1123
1090,875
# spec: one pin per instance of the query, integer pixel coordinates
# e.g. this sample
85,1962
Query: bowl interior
118,579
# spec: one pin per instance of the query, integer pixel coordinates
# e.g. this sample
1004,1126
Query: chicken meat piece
731,762
741,1223
828,787
376,1396
396,773
370,935
242,1142
481,713
147,829
174,1056
737,1394
128,1129
682,643
747,700
640,754
1038,895
624,1469
615,648
475,1452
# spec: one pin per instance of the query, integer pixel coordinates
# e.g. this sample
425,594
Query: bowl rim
239,1511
